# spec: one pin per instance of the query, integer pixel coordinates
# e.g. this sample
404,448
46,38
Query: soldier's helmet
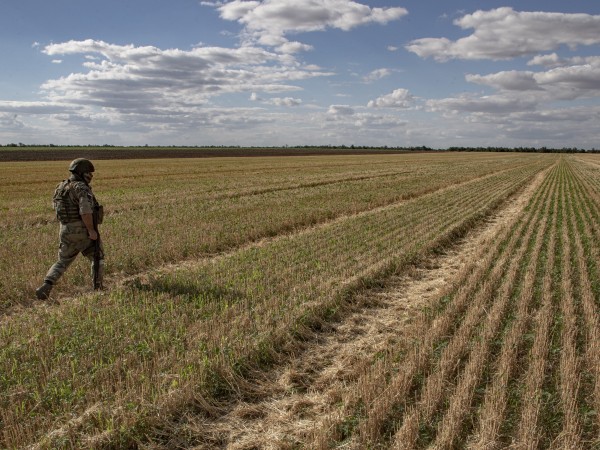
81,166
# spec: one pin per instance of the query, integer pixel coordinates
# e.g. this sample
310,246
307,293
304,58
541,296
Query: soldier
78,211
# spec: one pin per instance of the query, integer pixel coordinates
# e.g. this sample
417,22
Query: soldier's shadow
200,291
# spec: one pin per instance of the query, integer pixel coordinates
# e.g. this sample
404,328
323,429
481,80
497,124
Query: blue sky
301,72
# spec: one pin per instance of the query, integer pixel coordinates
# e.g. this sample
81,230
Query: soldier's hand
92,235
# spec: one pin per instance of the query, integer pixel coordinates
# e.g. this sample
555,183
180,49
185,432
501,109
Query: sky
301,72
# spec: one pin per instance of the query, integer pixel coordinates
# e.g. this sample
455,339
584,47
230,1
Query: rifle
97,280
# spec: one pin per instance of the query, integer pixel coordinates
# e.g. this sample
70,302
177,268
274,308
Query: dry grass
375,388
165,211
505,341
515,366
486,310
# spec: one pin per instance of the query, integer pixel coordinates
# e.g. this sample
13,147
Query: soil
96,153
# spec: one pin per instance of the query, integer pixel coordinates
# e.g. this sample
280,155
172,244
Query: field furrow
493,411
586,252
486,311
452,427
569,370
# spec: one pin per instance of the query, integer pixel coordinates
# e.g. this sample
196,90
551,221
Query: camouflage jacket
72,198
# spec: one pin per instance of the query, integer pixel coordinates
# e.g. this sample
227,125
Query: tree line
331,147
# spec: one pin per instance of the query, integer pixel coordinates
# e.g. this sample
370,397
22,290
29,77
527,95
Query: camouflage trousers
74,239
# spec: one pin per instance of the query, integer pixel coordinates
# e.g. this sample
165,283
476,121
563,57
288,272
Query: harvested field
397,301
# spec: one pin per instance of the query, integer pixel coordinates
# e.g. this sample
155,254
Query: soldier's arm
88,220
85,200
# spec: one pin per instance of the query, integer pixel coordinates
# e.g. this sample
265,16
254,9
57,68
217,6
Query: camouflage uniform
73,236
72,198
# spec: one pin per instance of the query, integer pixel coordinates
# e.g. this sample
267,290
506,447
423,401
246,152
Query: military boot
43,292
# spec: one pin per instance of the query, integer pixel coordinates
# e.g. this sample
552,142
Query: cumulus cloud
550,126
195,59
580,114
146,94
342,124
553,60
400,98
276,101
293,47
523,106
550,60
507,80
378,121
377,74
504,33
10,121
340,110
145,90
575,79
19,107
142,78
568,82
151,94
268,22
492,104
287,101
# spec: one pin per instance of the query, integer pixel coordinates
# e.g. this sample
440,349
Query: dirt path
293,399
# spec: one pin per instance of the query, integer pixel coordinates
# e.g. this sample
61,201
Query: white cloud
237,9
128,94
268,22
342,124
287,101
276,101
504,33
293,47
575,79
507,80
523,107
18,107
400,98
560,116
378,122
285,16
143,78
377,74
340,110
560,83
10,122
492,104
553,60
197,58
574,126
